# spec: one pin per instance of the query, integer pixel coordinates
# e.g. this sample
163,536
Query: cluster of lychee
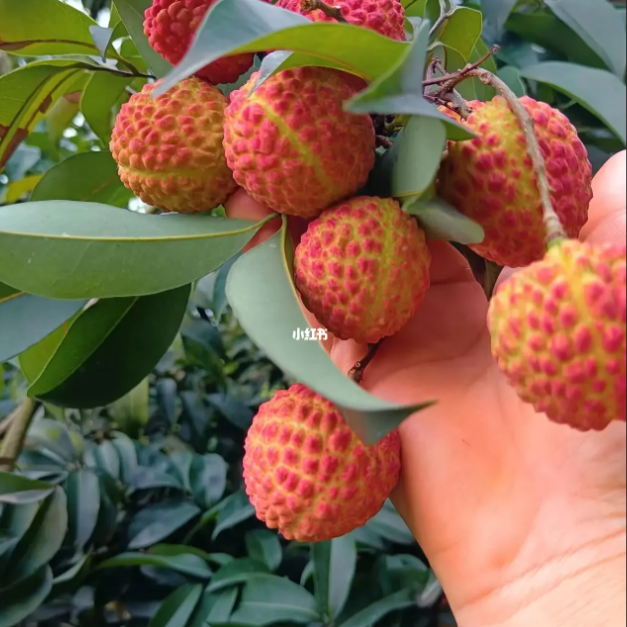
363,265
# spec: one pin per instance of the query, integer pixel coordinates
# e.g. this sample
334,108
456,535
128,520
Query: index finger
606,216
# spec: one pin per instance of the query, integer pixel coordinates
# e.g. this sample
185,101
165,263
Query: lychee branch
312,5
445,13
14,441
356,373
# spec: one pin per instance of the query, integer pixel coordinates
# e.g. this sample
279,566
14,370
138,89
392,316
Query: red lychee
308,475
171,25
490,179
169,149
386,17
292,146
558,333
362,268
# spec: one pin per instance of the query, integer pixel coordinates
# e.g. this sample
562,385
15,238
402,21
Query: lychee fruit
558,333
490,179
362,268
306,472
169,149
171,25
292,146
386,17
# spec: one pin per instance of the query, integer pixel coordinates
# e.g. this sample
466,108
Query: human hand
522,520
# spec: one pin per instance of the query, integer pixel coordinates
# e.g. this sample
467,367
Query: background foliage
133,513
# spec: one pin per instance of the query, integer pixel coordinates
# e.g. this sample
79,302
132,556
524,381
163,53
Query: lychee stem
14,441
312,5
356,373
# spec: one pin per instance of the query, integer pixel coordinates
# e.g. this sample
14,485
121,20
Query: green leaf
375,612
83,505
156,523
15,521
403,572
334,568
208,479
16,489
270,313
53,437
131,413
472,89
442,222
186,564
26,96
496,12
388,524
234,510
178,608
214,608
100,96
25,320
264,546
267,599
22,599
236,572
400,89
132,14
43,539
511,76
85,177
462,31
597,23
36,28
110,349
234,26
70,580
122,253
598,91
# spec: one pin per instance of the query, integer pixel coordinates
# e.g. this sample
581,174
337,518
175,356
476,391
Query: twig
14,440
457,77
308,6
445,13
100,68
356,373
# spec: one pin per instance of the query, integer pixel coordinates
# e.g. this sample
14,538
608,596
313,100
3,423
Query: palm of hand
505,504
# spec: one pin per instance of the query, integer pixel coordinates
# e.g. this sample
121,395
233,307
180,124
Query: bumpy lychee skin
386,17
169,149
558,333
292,146
308,475
362,268
170,26
490,179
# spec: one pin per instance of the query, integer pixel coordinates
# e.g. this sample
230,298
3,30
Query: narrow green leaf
43,539
15,521
122,253
237,509
208,479
156,523
388,524
598,91
511,76
25,320
16,489
235,572
186,564
214,608
178,608
496,12
83,505
53,437
22,599
267,599
270,313
234,26
375,612
597,23
264,546
70,580
64,31
85,177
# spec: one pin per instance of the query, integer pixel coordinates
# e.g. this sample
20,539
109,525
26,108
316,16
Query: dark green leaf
208,479
67,582
110,349
235,572
403,572
128,457
16,490
598,91
15,521
86,177
443,222
156,523
131,413
233,410
252,26
214,608
83,505
267,599
334,568
22,599
264,546
380,609
496,12
186,564
178,608
43,539
511,76
52,436
107,516
237,509
270,313
122,253
597,23
64,31
132,14
388,524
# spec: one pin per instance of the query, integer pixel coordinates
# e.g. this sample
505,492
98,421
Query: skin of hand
523,520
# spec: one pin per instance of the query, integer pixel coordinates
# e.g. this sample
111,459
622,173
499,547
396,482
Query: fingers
242,207
606,221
